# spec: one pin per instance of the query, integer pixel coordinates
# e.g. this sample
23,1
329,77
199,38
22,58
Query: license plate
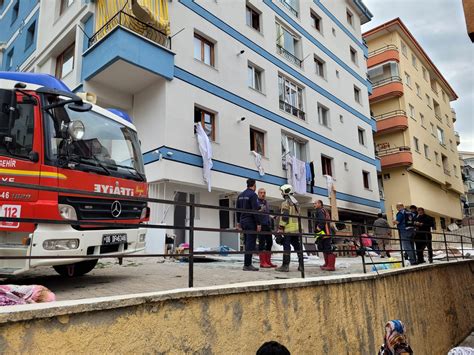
119,238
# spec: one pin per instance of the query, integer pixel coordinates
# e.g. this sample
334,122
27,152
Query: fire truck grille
103,209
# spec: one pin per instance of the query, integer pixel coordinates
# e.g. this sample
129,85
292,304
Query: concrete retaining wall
334,315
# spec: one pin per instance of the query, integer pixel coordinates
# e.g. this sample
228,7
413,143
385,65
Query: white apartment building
280,77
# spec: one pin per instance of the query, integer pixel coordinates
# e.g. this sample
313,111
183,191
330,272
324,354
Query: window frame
366,179
361,136
353,54
404,49
212,115
295,91
60,62
416,144
15,12
414,61
324,110
256,71
30,35
350,18
315,17
426,150
253,140
327,165
357,95
203,42
253,11
320,67
65,4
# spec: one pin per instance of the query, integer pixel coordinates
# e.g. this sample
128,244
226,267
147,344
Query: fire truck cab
50,137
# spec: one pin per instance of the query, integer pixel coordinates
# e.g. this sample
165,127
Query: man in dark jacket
248,221
265,240
423,224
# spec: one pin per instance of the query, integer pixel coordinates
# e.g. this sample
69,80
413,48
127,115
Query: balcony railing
292,110
384,152
390,79
438,117
390,114
383,49
289,56
289,7
125,20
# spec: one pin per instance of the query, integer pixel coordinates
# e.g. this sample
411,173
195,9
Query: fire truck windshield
107,146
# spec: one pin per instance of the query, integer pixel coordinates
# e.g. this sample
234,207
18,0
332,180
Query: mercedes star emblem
116,209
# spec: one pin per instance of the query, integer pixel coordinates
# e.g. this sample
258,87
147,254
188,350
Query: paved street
152,274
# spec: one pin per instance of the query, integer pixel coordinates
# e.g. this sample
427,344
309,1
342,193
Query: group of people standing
260,225
414,227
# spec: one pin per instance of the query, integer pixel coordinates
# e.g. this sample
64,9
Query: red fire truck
52,138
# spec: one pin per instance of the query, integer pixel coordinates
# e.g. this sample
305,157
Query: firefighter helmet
286,189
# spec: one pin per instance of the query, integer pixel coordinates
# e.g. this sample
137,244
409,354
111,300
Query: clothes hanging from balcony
311,168
296,174
258,163
206,152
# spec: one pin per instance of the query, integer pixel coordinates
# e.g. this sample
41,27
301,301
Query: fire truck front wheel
76,269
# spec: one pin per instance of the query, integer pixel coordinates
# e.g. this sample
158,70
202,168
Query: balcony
382,55
289,56
453,114
438,117
127,55
289,7
386,88
457,137
391,121
395,157
292,110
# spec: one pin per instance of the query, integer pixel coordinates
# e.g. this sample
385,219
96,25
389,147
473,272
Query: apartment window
337,74
9,61
366,179
293,146
257,141
444,96
291,97
353,55
422,120
433,129
320,67
404,50
425,73
414,61
428,100
427,151
65,4
288,45
326,165
65,62
357,95
418,89
15,11
291,5
254,77
341,118
317,21
412,111
30,35
350,18
436,157
408,79
323,116
440,135
207,120
252,18
203,50
416,144
361,135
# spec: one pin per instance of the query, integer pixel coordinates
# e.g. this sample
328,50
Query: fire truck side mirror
33,156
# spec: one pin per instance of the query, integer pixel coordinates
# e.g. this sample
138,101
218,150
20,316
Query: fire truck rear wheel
76,269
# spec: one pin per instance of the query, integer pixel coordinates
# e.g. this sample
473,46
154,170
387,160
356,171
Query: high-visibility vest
290,226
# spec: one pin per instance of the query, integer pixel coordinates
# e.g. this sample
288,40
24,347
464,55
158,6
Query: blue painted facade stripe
231,169
318,44
279,63
250,106
342,27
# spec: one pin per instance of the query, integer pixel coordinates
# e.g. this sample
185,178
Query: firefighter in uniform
289,224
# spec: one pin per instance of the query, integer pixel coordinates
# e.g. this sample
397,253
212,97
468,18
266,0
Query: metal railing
289,56
292,110
289,7
383,49
438,117
384,152
350,243
130,22
388,80
390,114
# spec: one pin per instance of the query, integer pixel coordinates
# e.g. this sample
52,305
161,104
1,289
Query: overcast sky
440,28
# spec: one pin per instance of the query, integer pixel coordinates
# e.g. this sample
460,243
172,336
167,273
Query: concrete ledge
10,314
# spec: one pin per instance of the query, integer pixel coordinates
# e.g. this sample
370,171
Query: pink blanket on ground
18,294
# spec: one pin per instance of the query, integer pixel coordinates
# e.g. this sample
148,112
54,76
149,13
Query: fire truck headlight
76,130
61,244
67,212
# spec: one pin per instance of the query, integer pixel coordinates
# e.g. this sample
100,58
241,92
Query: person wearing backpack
404,221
